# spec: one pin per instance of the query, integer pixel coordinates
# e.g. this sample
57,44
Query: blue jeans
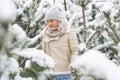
63,77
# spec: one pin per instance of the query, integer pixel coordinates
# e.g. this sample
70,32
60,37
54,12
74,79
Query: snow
33,40
17,32
27,3
18,77
119,44
7,65
82,46
91,62
19,11
27,64
37,56
7,10
96,63
13,64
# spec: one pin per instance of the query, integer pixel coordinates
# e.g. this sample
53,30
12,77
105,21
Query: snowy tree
94,65
100,34
107,34
17,61
30,15
100,20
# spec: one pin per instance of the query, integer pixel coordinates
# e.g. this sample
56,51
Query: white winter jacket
63,50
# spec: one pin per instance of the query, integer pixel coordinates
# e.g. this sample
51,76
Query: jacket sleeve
73,46
43,46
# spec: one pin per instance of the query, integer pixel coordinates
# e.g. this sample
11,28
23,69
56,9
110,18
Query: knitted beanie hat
54,13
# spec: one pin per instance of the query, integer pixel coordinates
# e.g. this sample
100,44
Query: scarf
54,33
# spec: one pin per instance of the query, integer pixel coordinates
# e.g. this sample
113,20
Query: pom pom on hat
54,13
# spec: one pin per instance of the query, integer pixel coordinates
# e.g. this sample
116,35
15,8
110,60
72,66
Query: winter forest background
97,26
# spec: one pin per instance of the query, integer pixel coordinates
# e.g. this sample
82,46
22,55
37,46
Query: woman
60,43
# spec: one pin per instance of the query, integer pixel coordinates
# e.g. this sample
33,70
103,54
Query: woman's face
52,23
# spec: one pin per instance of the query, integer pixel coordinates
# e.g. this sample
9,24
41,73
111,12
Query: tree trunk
65,6
84,22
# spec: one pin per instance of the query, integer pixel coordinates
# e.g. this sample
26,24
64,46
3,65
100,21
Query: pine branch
110,25
90,38
118,40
